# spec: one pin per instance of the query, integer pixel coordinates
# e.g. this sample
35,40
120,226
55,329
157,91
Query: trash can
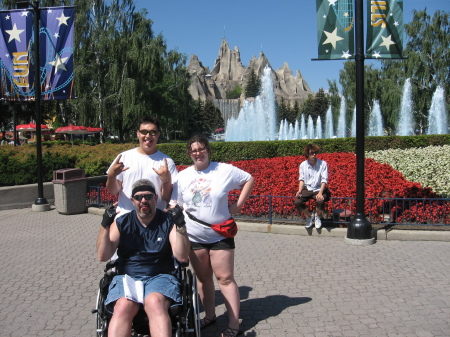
70,191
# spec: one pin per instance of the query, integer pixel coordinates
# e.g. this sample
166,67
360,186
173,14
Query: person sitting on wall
313,182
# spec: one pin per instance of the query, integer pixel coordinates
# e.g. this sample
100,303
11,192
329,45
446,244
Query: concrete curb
379,234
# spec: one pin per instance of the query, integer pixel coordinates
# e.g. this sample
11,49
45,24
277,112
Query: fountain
376,122
329,131
353,128
319,128
437,118
296,130
405,123
341,130
302,128
310,127
257,119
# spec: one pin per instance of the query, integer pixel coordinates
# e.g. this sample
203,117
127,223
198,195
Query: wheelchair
185,316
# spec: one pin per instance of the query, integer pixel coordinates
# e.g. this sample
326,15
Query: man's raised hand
163,172
117,167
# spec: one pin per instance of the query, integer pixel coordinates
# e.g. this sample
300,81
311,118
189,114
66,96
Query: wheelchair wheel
101,322
194,306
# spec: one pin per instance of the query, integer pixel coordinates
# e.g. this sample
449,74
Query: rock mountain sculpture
228,72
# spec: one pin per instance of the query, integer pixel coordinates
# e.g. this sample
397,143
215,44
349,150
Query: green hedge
14,171
18,164
235,151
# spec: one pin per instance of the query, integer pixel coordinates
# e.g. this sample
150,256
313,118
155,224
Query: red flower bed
279,177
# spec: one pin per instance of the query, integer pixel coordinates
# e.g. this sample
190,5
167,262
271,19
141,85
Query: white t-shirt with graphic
140,166
204,194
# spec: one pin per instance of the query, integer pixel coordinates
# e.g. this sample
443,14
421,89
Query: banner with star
384,29
17,65
335,29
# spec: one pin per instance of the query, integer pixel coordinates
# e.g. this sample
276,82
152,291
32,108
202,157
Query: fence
269,208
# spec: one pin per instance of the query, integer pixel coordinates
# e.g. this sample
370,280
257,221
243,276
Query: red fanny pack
227,228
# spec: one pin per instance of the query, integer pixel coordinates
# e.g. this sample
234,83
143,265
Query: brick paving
290,285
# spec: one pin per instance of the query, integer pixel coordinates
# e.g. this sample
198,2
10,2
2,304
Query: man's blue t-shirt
145,251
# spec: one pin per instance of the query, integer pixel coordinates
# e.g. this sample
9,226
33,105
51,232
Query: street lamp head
22,4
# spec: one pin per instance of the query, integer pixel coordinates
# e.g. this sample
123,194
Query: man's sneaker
318,222
309,222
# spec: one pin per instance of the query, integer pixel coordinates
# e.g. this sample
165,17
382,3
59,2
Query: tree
206,118
321,103
307,108
427,60
253,86
372,87
235,93
282,110
122,71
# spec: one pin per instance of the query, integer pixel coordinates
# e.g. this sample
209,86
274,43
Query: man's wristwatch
181,230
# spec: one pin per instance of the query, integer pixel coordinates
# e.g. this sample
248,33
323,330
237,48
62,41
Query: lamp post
359,230
40,203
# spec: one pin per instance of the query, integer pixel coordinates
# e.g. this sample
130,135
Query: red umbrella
29,127
94,130
72,129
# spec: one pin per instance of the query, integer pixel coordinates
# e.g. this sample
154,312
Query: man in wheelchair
147,243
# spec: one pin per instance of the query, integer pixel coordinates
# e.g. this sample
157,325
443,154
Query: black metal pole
15,133
37,90
359,228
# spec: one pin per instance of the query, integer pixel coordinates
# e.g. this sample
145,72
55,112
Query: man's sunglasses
148,132
139,197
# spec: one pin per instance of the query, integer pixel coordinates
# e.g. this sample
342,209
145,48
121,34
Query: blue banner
17,64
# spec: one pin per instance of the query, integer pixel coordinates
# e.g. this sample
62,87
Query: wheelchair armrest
110,265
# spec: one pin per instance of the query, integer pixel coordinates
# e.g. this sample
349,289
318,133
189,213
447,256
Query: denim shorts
165,284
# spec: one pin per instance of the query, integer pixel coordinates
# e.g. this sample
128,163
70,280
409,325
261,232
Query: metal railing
339,211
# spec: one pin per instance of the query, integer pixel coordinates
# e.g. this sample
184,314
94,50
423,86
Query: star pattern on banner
335,31
345,54
384,29
332,38
56,36
63,19
14,34
59,63
387,42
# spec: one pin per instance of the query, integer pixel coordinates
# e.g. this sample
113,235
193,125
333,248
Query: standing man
147,243
313,182
144,161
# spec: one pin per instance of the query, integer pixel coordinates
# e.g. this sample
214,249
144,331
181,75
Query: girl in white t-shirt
202,190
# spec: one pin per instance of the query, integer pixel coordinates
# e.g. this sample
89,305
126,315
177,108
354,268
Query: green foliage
426,63
285,112
15,171
122,70
253,86
235,93
205,119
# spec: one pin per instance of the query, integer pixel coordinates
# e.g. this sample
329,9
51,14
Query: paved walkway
291,285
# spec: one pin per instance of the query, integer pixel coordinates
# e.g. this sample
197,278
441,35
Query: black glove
177,216
108,217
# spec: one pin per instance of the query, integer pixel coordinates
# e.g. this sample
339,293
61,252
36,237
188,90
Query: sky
285,30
